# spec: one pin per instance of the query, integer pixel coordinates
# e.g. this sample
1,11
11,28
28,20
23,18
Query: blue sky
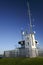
14,16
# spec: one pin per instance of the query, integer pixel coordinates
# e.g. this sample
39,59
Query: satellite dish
23,33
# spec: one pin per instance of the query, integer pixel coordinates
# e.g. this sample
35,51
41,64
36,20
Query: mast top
29,13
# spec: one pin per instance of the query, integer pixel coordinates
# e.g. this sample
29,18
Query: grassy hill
21,61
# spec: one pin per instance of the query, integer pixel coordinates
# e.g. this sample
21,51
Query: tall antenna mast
29,17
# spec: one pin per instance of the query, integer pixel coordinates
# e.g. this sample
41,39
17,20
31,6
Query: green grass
21,61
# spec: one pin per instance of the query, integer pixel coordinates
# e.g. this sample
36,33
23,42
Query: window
28,43
27,38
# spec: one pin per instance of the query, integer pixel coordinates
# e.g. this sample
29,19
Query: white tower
30,41
30,44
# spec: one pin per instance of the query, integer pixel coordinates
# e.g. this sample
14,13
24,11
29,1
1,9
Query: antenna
22,34
29,17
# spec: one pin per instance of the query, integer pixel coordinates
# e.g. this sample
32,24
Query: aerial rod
29,13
